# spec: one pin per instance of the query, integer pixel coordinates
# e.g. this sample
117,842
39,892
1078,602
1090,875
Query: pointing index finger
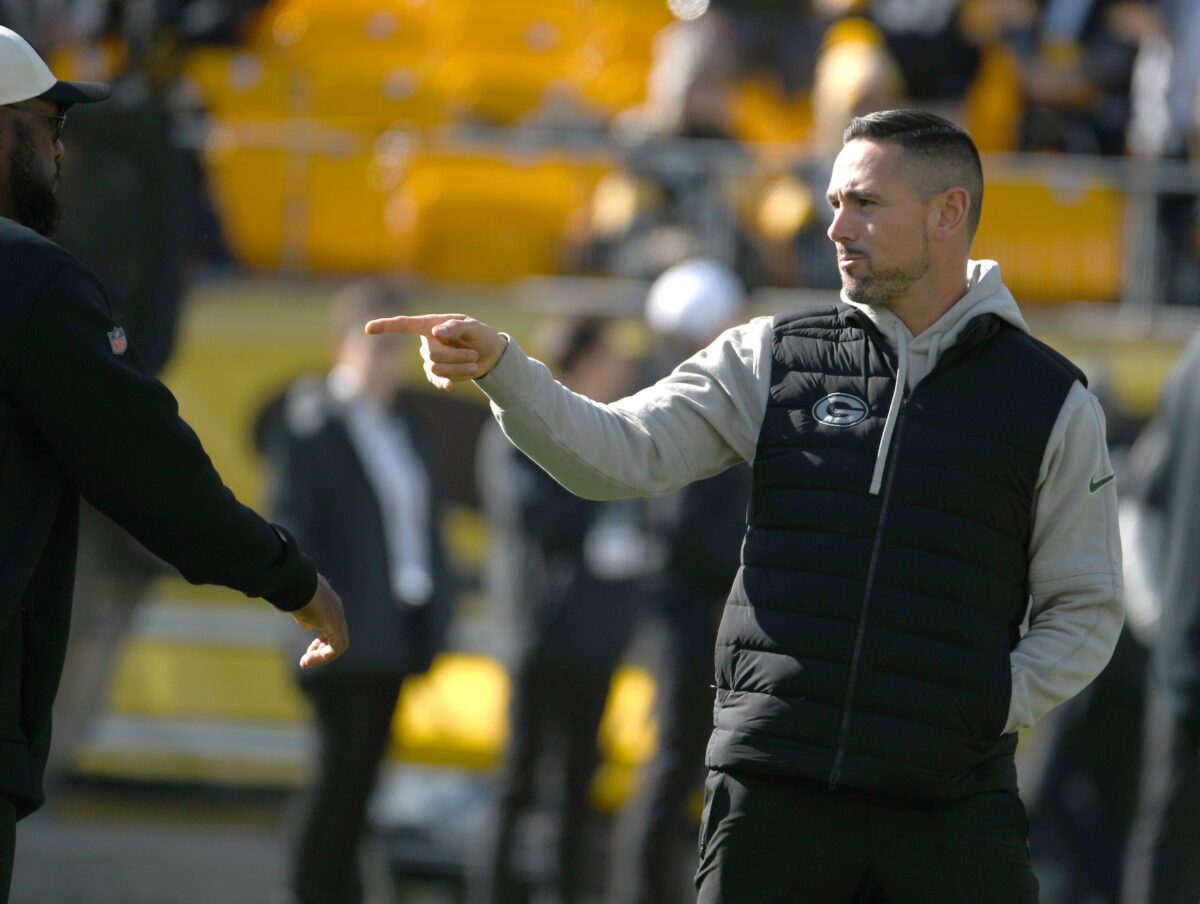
418,325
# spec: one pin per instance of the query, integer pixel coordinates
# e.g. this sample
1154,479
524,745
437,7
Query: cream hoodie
706,415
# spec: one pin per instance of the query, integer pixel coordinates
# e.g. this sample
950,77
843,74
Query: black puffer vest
866,639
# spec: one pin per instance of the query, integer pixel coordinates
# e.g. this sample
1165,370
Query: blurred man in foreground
926,477
1161,865
79,416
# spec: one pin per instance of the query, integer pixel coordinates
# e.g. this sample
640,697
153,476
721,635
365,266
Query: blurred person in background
1082,775
1076,59
698,532
684,172
1162,865
562,572
877,54
355,481
80,416
931,560
1165,125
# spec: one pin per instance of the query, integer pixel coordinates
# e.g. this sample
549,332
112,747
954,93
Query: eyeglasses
60,121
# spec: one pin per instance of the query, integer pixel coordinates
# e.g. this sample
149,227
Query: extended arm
698,421
117,434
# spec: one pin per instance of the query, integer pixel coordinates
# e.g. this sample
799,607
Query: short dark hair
943,152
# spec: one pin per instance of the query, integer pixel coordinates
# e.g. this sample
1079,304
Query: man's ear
949,211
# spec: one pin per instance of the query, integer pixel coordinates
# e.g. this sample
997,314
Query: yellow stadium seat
1057,235
500,88
762,112
515,27
310,28
242,83
252,177
346,201
374,90
488,219
993,106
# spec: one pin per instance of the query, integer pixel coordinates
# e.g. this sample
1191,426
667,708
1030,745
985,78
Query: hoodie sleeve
701,419
1075,583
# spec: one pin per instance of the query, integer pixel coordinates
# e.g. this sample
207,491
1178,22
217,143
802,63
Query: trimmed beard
883,287
32,194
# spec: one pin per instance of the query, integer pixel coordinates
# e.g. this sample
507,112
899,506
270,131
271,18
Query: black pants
8,844
651,840
554,708
1086,798
1162,865
354,722
768,840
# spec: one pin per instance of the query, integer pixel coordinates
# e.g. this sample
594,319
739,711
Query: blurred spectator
562,570
354,480
1077,64
775,37
878,54
1166,82
699,530
684,174
1165,120
1162,866
1085,794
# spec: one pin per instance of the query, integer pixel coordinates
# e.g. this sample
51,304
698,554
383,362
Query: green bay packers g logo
840,409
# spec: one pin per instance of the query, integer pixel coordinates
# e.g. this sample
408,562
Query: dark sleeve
117,433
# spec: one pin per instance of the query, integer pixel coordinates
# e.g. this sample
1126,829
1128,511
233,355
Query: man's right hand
454,347
323,614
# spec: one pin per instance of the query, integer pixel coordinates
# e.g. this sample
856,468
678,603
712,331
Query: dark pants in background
1162,865
656,832
1085,799
8,844
354,724
774,840
554,715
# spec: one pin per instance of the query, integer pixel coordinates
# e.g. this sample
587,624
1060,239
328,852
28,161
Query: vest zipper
836,773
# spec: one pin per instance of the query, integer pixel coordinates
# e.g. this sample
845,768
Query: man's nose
841,229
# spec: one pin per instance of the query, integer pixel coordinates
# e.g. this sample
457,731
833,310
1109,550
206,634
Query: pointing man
928,478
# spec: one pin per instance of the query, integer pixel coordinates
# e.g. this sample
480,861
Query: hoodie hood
917,356
986,294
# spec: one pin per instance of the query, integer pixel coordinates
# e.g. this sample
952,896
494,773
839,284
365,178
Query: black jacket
320,491
78,415
556,609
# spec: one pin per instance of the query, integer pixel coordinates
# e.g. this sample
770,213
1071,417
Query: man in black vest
931,558
79,415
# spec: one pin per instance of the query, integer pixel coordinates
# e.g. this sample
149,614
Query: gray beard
882,288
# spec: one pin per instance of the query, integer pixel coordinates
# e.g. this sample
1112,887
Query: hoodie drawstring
889,426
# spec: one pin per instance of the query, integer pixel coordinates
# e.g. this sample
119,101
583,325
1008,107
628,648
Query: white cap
694,301
24,76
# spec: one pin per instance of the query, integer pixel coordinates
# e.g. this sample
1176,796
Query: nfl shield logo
117,341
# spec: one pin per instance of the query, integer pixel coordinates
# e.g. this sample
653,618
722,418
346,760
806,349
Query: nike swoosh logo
1096,484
